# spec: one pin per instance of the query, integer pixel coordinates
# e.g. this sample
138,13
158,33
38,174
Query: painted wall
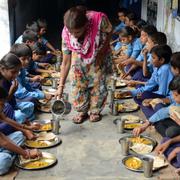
165,22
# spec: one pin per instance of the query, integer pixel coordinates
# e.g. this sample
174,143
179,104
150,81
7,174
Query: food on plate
46,127
120,95
130,118
159,162
47,82
120,83
131,125
141,140
45,75
36,143
141,148
133,163
44,136
175,110
128,106
36,164
55,75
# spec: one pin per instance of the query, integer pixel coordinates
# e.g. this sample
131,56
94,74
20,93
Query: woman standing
85,47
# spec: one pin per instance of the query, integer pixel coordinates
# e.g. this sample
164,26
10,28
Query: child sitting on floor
25,92
161,119
160,79
34,67
170,147
10,144
136,64
10,66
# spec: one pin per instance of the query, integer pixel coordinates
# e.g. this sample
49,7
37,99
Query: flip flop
95,117
80,118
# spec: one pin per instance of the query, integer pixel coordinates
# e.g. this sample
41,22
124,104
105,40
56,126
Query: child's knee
5,163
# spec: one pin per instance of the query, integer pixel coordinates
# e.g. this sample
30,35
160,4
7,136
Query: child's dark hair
140,24
10,61
33,26
122,10
158,38
127,31
3,94
175,84
38,49
131,16
175,60
29,35
75,17
42,23
162,51
21,50
149,29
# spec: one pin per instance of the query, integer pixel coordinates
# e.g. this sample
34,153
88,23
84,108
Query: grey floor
89,151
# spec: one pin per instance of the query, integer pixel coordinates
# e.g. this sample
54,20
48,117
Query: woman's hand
161,148
59,92
173,154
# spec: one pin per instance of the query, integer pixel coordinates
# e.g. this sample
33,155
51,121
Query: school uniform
163,124
22,110
7,157
160,79
25,90
176,161
137,47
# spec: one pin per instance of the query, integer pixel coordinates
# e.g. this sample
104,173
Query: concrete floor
89,151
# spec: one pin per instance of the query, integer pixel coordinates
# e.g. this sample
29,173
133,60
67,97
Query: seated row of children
20,87
148,63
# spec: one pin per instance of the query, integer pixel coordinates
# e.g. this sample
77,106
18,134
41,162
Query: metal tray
46,122
132,156
45,144
153,143
47,157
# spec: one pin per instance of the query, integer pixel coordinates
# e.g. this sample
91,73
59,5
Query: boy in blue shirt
161,119
159,80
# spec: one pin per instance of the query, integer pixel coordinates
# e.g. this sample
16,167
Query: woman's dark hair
21,50
39,49
158,38
127,31
175,84
175,60
10,61
33,26
75,17
162,51
42,23
29,35
3,94
149,29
